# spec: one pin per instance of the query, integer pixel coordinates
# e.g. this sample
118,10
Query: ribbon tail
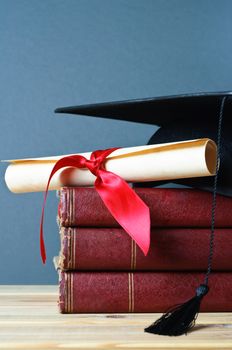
126,207
74,161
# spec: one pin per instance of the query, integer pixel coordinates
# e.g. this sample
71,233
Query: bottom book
116,292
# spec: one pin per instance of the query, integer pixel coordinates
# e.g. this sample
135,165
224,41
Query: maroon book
173,249
90,292
169,207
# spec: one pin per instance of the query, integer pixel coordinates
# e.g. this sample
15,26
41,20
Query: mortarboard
180,118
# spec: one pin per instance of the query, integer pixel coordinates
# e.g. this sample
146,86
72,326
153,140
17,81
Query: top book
181,117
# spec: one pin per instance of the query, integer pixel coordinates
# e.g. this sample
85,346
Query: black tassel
180,319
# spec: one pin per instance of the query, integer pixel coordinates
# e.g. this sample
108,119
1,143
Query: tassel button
202,290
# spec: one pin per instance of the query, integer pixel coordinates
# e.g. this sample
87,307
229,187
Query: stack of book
101,269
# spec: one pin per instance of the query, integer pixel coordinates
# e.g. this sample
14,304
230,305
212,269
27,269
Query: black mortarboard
180,117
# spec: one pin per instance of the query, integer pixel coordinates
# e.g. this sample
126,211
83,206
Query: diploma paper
194,158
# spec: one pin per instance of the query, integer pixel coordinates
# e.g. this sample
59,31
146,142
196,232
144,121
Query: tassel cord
214,202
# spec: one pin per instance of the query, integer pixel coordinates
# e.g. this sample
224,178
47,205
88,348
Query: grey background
56,53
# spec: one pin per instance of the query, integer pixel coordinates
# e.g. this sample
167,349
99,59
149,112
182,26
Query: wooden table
29,319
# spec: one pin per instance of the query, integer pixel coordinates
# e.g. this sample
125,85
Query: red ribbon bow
121,200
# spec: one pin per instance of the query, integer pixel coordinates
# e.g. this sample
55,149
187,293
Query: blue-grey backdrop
56,53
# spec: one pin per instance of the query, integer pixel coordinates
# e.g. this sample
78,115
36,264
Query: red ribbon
121,200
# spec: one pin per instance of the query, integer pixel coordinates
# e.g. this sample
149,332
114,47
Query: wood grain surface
29,319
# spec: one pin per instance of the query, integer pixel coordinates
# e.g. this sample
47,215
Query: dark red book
106,292
171,249
169,207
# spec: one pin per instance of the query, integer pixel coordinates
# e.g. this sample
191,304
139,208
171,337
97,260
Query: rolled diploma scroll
194,158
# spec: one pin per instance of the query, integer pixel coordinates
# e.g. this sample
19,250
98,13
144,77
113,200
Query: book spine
80,206
171,249
105,292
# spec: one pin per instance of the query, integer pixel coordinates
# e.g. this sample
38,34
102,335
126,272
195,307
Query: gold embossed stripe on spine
68,208
71,206
74,248
69,248
71,292
131,292
68,292
71,251
133,255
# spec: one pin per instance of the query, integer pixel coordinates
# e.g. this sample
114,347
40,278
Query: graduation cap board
180,118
